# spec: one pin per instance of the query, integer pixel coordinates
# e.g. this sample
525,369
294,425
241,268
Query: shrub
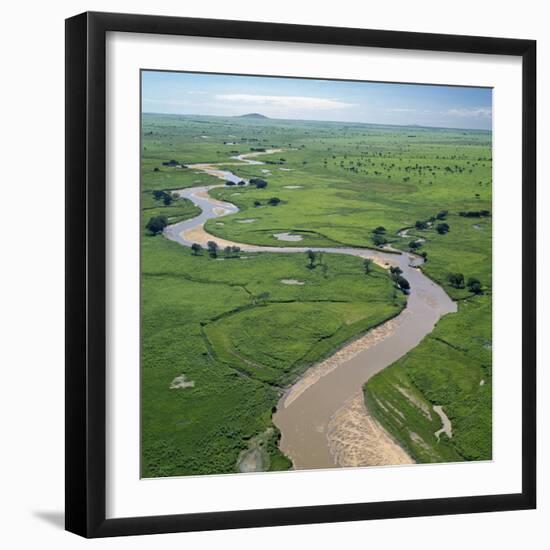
396,270
212,248
456,280
378,240
156,224
258,182
402,283
474,285
442,228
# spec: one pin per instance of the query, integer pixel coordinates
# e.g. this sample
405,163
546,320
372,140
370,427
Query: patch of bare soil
180,382
447,427
200,236
255,458
292,282
355,438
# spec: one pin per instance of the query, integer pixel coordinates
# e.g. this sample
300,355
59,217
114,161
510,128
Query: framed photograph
300,274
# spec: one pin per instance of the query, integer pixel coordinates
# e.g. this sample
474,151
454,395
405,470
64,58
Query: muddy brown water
303,420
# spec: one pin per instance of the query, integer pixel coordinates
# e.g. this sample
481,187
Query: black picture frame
86,274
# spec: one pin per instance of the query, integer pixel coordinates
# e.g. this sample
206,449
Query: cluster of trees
475,214
472,284
365,162
166,198
396,274
156,224
315,259
213,250
172,163
273,201
378,236
424,224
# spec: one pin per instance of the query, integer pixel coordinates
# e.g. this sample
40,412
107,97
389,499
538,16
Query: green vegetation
450,368
222,317
233,329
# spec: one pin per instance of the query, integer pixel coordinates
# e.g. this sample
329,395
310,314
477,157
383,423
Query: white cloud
286,101
475,112
400,110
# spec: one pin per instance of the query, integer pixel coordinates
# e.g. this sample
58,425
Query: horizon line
265,117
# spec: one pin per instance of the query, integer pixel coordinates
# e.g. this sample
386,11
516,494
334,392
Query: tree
396,270
379,230
442,215
196,248
474,285
442,228
258,182
229,182
236,250
413,245
402,283
379,240
456,280
212,248
421,225
367,265
241,182
311,257
257,203
227,250
156,224
167,199
274,201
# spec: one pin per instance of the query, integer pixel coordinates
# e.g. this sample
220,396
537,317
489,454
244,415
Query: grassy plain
206,318
239,334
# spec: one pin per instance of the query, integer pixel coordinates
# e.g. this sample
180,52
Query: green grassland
450,368
239,334
211,320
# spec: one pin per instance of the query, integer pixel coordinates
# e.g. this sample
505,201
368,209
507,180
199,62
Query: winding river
322,418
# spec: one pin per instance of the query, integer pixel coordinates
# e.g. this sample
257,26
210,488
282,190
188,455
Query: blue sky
289,98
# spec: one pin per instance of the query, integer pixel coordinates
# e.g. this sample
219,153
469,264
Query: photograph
316,274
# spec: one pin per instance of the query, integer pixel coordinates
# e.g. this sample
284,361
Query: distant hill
252,115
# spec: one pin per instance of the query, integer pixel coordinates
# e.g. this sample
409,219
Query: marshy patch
291,237
292,282
180,383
